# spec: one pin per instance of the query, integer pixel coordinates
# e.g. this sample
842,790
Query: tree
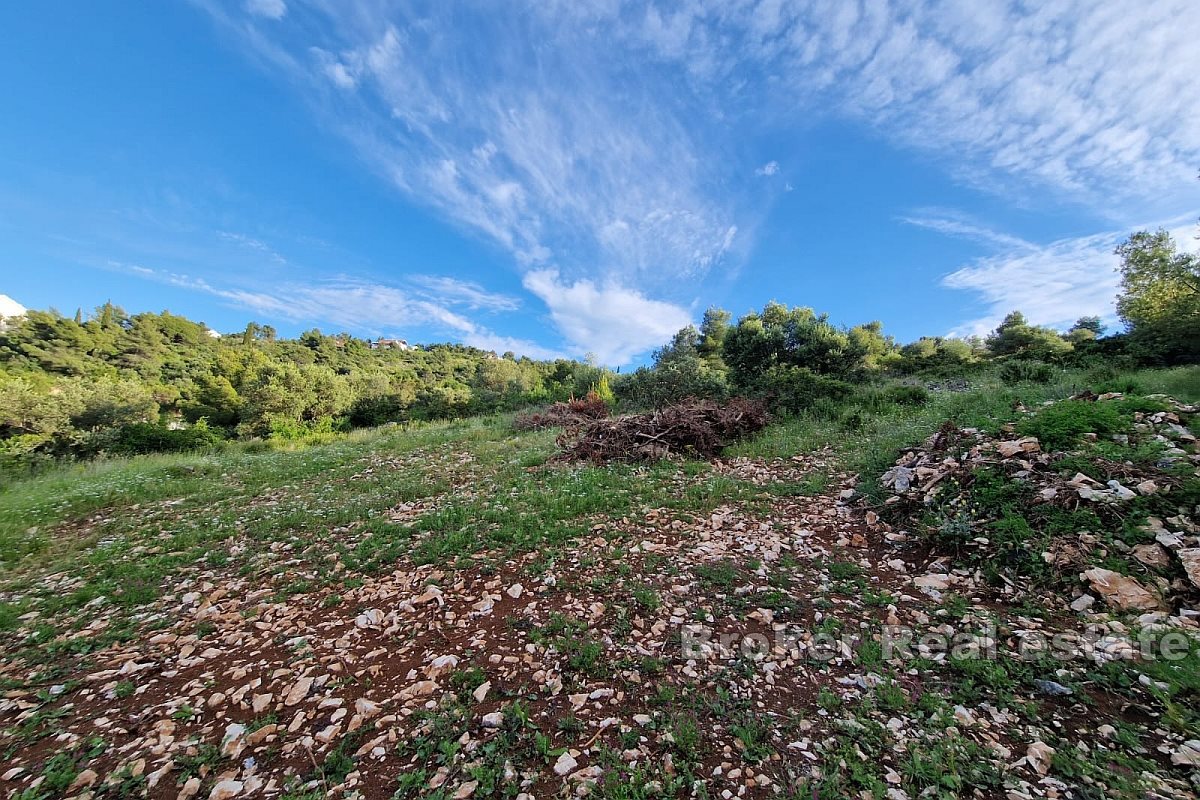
1016,337
713,329
1160,296
250,332
936,355
797,337
878,350
679,369
1084,331
684,345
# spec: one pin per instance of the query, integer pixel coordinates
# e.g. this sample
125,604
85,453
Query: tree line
111,382
795,357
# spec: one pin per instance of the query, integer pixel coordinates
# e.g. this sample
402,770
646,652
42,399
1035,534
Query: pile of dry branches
693,428
570,414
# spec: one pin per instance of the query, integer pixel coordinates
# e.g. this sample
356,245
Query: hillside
111,383
453,610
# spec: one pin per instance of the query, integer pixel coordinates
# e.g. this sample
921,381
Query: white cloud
560,156
1080,95
1052,285
613,322
953,223
10,307
468,293
270,9
251,243
618,149
364,307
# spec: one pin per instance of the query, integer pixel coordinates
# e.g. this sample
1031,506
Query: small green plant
1062,425
1020,371
717,575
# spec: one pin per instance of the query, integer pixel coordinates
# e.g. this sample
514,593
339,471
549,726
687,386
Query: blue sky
573,177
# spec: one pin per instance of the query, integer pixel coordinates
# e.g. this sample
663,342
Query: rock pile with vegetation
1094,496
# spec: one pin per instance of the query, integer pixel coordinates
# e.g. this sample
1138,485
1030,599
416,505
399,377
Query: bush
794,389
145,437
601,392
896,395
1019,371
907,395
671,383
1060,426
372,411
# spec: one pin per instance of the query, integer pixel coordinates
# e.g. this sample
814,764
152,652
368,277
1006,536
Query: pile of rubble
935,481
692,428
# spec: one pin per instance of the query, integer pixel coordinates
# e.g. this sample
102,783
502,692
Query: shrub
672,383
899,394
907,395
797,388
1060,426
371,411
602,392
144,437
1018,371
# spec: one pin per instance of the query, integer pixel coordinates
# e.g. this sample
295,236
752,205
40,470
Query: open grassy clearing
376,576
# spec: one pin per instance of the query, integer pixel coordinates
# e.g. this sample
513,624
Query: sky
571,177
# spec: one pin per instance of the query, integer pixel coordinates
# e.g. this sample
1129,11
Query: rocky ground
800,642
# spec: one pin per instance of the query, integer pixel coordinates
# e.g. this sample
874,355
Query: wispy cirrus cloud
467,293
954,223
1054,284
548,155
615,151
270,9
1077,95
251,243
356,305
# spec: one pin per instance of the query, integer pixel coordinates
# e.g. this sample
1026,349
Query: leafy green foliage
1016,337
1160,297
798,338
121,384
1060,426
1019,371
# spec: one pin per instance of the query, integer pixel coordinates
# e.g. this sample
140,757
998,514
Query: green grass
868,442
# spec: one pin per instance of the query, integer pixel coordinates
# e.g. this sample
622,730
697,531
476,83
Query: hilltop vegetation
117,384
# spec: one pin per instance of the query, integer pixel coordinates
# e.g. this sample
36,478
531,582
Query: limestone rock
1121,592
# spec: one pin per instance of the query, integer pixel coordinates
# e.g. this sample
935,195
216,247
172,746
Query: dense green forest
114,383
119,383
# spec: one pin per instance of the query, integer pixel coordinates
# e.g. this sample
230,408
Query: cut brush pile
692,428
564,415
